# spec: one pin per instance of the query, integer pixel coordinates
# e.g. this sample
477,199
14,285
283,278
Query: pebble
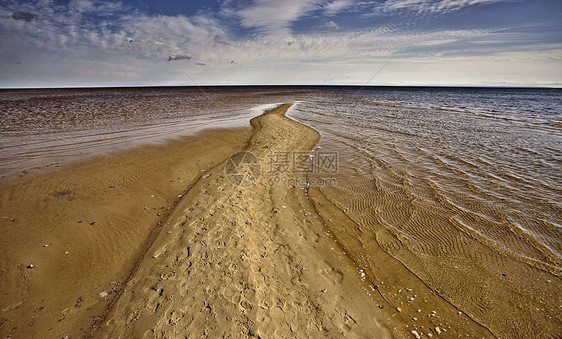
438,330
416,334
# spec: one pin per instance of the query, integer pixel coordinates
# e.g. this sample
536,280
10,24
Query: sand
85,225
171,241
240,261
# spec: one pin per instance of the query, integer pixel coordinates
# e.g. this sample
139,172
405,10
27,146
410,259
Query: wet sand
84,226
463,201
128,257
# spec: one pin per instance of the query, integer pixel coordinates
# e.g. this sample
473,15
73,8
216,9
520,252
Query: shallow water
463,186
39,127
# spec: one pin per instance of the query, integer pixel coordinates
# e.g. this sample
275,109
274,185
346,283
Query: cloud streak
431,6
271,16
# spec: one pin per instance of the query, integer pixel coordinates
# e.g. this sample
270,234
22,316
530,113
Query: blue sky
367,42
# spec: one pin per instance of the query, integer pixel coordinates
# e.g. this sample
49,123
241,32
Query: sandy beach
281,169
83,227
197,238
122,252
244,261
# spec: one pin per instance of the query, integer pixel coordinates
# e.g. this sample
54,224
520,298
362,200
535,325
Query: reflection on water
42,126
461,185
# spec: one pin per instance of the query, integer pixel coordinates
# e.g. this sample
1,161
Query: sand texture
84,226
194,239
241,261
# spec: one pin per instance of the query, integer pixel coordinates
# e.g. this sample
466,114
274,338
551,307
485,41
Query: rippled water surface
463,186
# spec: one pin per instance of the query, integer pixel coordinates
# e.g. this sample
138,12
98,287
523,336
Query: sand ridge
240,261
84,225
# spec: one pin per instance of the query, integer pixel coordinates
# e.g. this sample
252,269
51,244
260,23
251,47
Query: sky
83,43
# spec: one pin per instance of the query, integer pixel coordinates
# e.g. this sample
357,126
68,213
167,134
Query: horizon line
284,85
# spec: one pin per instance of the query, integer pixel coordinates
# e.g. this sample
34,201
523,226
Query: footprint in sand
134,316
330,273
175,317
246,305
277,320
229,290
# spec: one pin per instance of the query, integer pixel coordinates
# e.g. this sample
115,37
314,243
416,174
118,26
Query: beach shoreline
245,260
194,238
70,235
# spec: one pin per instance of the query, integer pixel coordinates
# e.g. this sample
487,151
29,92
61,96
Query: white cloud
329,26
81,6
431,6
272,16
337,6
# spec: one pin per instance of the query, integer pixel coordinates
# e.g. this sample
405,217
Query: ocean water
463,186
52,126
